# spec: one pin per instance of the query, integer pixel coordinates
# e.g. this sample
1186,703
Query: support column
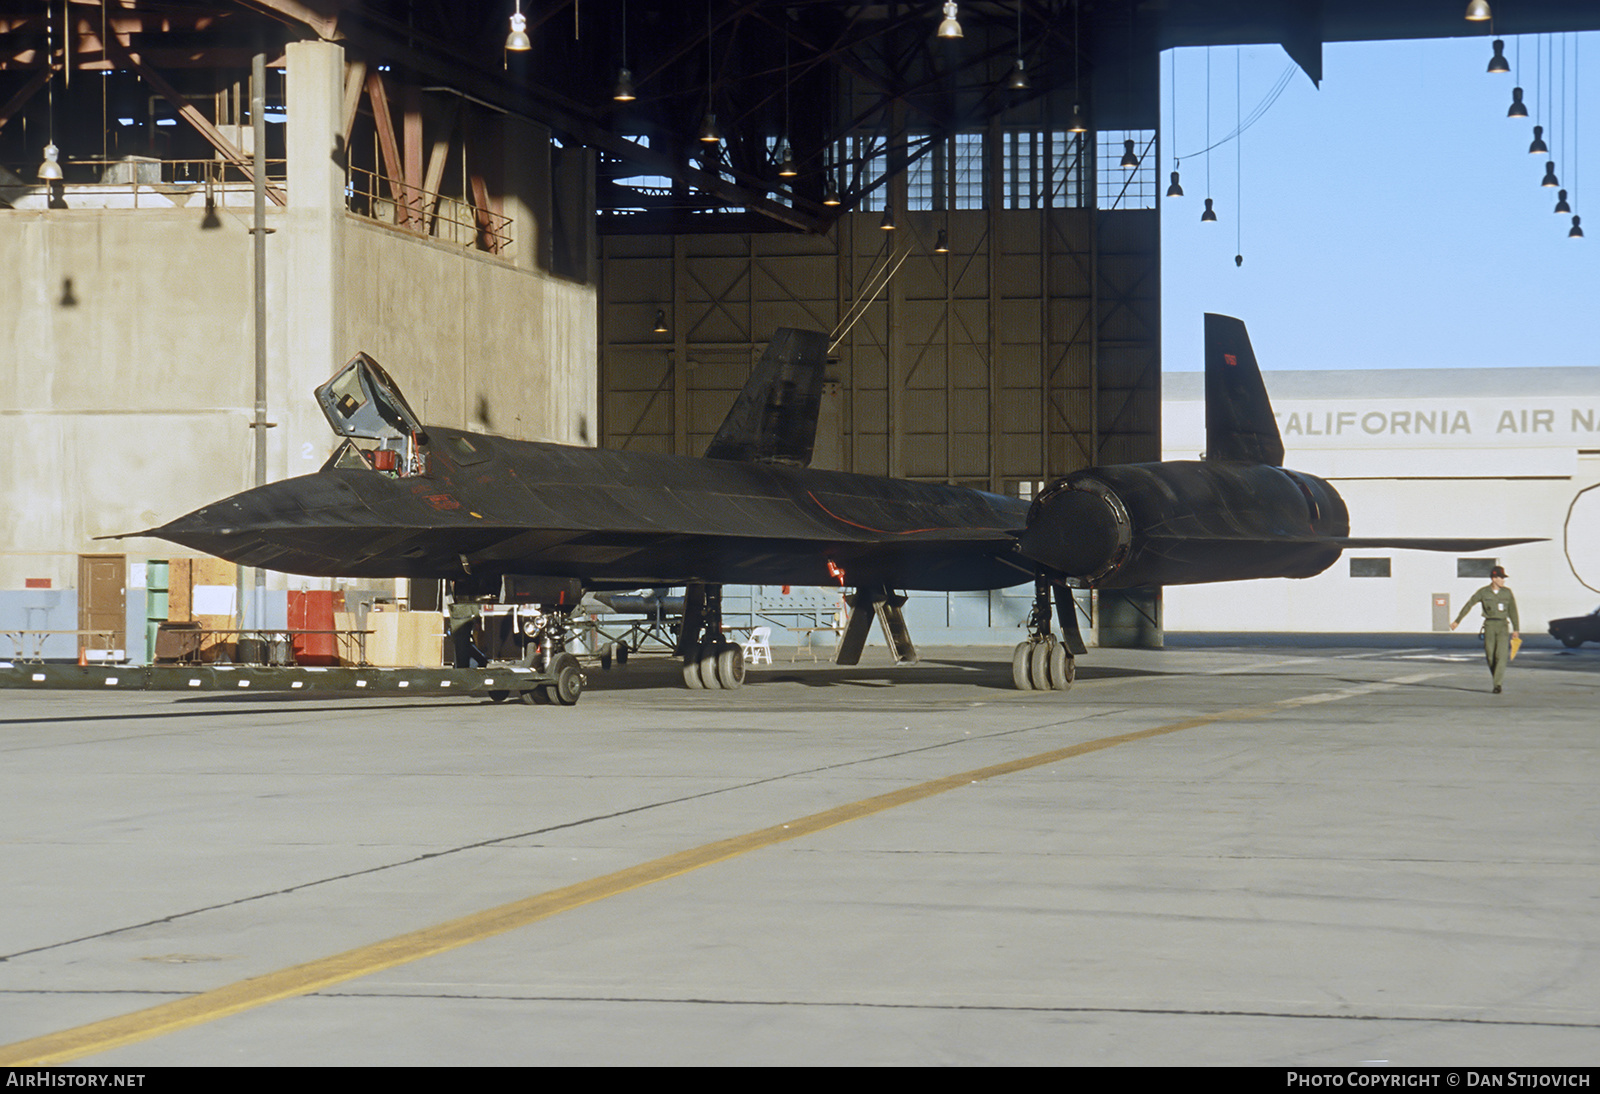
313,298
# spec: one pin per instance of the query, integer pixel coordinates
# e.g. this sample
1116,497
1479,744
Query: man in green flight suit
1500,623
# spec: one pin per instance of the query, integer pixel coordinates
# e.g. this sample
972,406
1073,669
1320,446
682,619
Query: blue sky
1391,219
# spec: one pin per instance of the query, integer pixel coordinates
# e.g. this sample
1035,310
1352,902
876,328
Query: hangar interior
586,240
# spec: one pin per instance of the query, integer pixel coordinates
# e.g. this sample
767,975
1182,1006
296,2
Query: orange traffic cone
83,655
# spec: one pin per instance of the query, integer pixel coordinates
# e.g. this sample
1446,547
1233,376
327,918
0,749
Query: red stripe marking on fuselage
867,527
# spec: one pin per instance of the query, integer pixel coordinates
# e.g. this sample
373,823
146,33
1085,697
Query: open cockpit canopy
362,401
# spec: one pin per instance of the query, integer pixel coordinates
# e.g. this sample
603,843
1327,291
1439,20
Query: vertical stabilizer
774,420
1239,421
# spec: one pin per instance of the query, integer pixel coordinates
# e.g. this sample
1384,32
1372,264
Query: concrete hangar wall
1421,452
128,390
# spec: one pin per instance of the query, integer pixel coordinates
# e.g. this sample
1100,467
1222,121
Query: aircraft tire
1021,666
1039,667
605,658
536,697
707,666
621,654
1063,667
499,696
730,666
568,687
691,672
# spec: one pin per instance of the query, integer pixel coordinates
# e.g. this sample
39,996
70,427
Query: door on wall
102,600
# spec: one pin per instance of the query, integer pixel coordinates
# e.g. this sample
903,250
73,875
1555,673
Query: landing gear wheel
605,658
1021,666
1039,664
622,654
1063,667
706,664
691,672
499,696
730,666
569,679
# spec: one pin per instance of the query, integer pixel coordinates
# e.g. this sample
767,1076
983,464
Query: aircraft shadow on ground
654,673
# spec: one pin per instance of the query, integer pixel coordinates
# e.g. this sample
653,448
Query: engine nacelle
1184,523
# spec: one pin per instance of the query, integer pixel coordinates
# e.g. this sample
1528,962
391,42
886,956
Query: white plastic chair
759,646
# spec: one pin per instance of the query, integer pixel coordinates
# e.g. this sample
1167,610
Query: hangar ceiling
858,90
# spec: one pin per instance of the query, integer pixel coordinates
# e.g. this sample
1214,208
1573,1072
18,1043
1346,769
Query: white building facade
1420,452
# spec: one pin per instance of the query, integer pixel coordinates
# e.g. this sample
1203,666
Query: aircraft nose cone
249,511
237,528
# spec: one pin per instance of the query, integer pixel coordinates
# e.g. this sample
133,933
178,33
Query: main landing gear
1044,662
710,661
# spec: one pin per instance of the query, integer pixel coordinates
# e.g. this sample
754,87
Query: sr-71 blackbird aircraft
540,523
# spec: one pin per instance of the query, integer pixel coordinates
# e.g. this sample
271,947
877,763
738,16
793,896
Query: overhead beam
393,165
322,19
355,77
24,93
186,110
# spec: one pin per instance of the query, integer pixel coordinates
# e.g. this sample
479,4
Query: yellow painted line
142,1025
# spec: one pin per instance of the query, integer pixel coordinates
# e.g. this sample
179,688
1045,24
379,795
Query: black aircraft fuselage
614,520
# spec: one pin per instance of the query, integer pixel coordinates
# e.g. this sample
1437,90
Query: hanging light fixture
624,89
517,40
1498,63
942,247
1576,232
786,167
1174,190
950,28
661,322
887,223
830,191
1478,11
1079,123
1518,109
1130,158
709,134
1550,181
1538,147
1018,80
1210,215
1561,203
50,169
